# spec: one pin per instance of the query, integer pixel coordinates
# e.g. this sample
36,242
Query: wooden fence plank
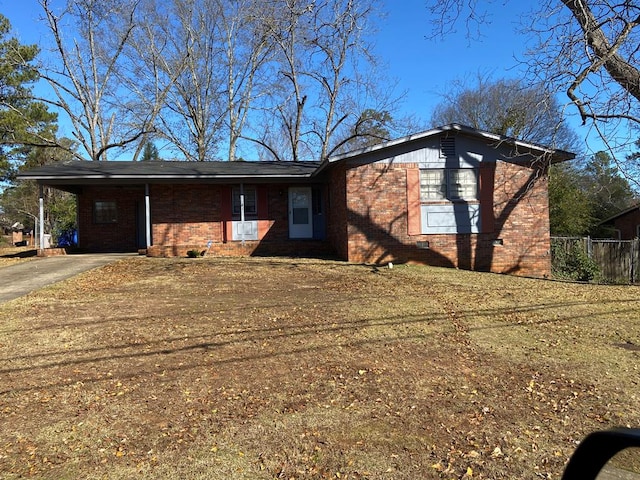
618,260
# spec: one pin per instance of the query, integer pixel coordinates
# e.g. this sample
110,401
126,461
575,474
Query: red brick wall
337,211
188,217
628,224
186,214
288,248
109,237
522,221
377,223
367,221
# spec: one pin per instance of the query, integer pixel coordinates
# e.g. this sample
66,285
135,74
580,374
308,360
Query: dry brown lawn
13,255
304,369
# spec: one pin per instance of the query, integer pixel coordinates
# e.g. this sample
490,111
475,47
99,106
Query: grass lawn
12,255
270,368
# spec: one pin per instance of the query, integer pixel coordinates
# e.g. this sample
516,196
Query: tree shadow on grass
207,344
23,254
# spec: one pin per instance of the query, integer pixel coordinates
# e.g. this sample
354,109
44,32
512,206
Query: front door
141,225
300,223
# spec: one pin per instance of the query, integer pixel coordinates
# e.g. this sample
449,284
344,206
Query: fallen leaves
160,368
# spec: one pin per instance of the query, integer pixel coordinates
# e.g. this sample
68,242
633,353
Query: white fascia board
454,127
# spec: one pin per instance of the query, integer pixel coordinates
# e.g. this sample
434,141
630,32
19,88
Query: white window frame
443,184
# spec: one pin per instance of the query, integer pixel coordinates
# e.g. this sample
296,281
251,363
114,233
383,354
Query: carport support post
147,215
242,213
41,207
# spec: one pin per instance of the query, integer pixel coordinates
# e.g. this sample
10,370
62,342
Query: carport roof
87,172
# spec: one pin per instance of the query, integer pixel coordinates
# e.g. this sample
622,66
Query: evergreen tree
24,123
609,192
20,201
150,152
371,128
570,207
580,198
27,135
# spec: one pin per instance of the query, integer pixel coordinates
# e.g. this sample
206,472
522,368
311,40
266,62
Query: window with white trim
448,184
250,201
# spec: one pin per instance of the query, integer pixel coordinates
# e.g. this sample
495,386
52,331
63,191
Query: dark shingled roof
76,173
86,172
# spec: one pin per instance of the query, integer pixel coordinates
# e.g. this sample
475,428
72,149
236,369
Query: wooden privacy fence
618,260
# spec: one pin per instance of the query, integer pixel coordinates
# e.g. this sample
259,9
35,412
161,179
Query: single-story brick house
452,196
625,224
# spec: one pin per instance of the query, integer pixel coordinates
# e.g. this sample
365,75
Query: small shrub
194,253
574,264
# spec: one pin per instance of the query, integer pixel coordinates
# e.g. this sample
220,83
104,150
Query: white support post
41,207
147,215
242,213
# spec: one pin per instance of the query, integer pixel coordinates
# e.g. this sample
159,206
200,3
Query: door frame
300,230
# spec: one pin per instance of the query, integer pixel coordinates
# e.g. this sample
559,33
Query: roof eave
152,178
561,155
620,214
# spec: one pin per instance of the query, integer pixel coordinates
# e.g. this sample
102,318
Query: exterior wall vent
447,147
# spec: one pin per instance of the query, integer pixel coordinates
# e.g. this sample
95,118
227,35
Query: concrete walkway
23,278
612,473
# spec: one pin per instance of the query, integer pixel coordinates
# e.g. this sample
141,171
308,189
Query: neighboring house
452,196
626,224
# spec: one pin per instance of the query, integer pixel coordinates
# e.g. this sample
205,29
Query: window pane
300,216
250,205
433,185
463,184
105,212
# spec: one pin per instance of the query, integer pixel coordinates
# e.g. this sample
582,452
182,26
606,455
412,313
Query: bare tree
288,34
247,48
194,110
587,49
152,66
284,79
83,73
507,107
321,76
342,49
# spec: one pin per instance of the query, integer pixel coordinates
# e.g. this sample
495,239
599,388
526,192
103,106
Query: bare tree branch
84,80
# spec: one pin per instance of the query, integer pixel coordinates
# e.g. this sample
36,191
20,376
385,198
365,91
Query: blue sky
424,68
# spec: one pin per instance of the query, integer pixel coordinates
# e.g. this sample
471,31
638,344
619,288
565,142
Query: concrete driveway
23,278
